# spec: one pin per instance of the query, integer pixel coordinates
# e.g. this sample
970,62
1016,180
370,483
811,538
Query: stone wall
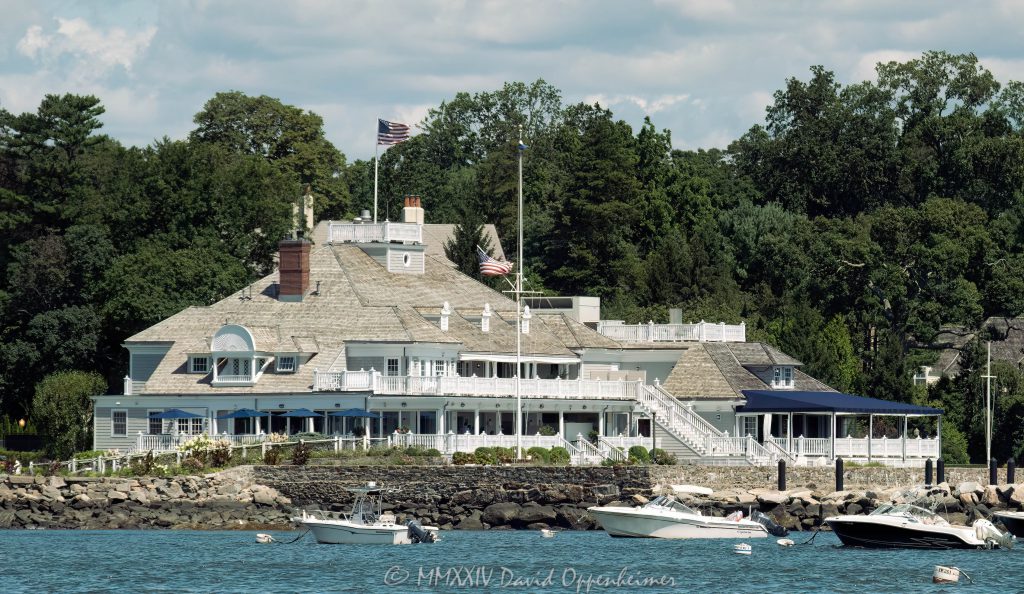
811,477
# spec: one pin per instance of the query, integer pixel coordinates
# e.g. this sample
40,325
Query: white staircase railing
588,449
684,424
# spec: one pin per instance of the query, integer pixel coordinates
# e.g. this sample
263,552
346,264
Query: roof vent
485,318
525,324
446,310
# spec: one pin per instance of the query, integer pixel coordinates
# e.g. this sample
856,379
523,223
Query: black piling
940,471
993,472
1011,467
928,472
839,474
782,475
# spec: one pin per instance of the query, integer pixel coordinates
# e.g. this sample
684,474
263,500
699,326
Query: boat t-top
909,526
666,517
366,524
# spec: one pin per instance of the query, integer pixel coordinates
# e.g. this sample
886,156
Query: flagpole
376,149
519,310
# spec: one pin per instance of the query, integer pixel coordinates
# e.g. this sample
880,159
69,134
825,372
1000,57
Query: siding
599,370
143,366
396,262
102,439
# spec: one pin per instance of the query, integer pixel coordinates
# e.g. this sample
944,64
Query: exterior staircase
688,436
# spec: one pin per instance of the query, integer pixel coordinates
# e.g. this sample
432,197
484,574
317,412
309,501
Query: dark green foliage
559,456
661,457
301,453
460,458
486,455
62,411
639,455
272,457
538,454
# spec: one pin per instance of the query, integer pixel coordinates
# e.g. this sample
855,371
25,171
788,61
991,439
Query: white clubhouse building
370,316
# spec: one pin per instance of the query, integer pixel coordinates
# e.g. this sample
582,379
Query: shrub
592,437
505,455
638,455
143,466
663,458
461,458
548,430
272,456
954,445
198,447
277,438
415,451
559,455
538,454
88,454
358,431
300,454
380,451
307,436
192,464
432,453
486,456
220,453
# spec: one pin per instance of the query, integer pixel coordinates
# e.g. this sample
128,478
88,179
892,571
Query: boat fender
264,538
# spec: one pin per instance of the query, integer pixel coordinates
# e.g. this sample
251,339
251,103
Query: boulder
853,509
116,496
990,497
968,487
772,498
533,513
501,513
968,498
263,496
470,522
1017,497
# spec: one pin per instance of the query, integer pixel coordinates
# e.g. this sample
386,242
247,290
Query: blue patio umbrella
300,413
175,413
243,413
357,413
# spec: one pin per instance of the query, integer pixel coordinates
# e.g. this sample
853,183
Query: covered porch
818,427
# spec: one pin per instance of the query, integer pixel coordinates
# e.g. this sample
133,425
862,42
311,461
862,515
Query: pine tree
461,248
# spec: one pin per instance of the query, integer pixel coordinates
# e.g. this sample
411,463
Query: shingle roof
574,334
434,237
714,370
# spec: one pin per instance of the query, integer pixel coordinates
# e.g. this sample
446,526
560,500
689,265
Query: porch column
440,422
905,437
214,359
561,423
789,433
833,435
871,426
600,424
258,430
476,421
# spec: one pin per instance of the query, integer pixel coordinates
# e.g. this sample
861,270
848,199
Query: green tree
462,247
62,411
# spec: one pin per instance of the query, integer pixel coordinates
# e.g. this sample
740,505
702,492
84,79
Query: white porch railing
745,447
473,386
374,232
466,442
858,447
617,447
651,332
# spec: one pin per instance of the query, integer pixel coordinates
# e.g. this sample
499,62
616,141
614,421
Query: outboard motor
417,534
769,524
987,531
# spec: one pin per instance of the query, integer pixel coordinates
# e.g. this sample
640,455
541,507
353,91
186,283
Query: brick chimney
413,211
293,269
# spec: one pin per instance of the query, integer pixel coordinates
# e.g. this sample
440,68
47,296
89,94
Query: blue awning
777,401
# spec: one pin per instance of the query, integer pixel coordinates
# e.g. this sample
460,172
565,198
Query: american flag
491,267
389,133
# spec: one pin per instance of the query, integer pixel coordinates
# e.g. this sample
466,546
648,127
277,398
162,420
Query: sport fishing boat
366,524
665,517
913,527
1013,521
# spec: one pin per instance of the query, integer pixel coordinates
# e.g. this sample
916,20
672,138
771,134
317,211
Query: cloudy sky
705,69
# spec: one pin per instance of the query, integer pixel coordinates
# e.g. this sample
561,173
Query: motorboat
1013,521
909,526
366,524
666,517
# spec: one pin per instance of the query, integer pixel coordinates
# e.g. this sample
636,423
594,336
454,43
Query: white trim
279,368
495,358
192,363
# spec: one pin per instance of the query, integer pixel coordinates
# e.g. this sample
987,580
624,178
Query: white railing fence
374,232
858,447
377,383
651,332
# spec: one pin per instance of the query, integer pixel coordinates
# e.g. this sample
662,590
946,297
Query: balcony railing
473,386
651,332
374,232
858,447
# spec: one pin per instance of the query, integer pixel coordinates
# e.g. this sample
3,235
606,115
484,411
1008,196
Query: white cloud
649,106
97,52
865,67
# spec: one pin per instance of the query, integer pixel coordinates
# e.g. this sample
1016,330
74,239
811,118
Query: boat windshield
907,510
672,504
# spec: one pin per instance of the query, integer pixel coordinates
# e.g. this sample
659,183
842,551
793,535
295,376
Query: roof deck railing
374,232
651,332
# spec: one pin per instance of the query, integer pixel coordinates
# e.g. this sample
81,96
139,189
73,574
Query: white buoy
544,532
785,542
741,549
264,538
945,575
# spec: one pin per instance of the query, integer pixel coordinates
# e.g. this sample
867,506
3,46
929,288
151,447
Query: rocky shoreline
465,498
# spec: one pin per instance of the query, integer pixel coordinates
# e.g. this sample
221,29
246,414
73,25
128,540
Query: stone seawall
464,497
213,502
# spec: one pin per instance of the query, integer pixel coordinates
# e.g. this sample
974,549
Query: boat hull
341,532
640,525
857,533
1014,522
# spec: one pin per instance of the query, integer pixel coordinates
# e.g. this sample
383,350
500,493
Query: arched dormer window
233,349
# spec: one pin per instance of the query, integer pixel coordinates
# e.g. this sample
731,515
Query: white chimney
526,319
413,210
446,310
485,318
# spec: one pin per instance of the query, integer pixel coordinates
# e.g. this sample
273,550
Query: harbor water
489,561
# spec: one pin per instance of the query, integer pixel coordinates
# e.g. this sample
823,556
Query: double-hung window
200,365
393,367
119,422
286,364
